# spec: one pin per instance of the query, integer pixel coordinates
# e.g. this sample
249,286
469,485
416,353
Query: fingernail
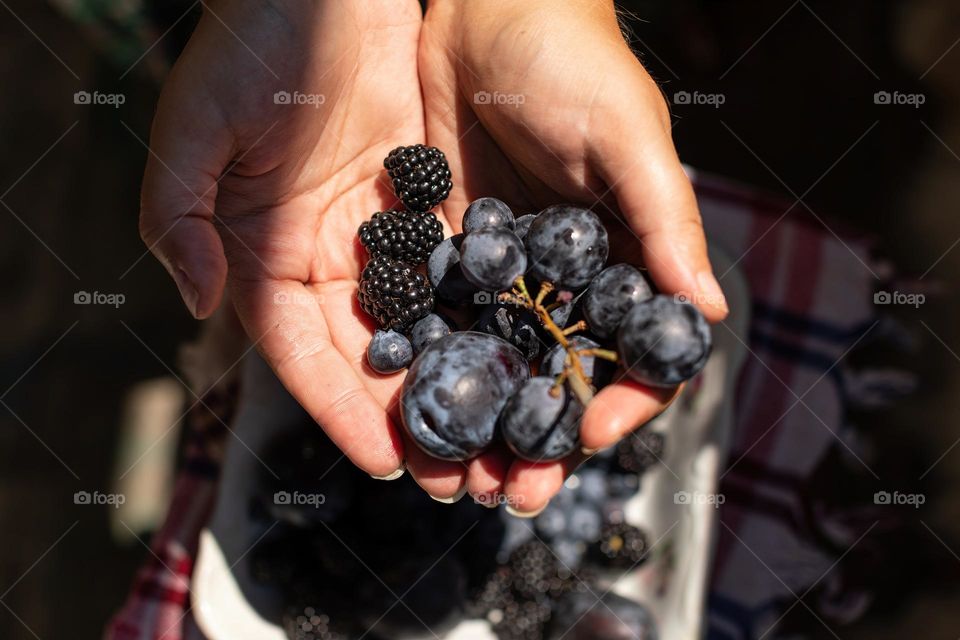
711,292
188,290
486,500
454,498
587,451
392,476
524,514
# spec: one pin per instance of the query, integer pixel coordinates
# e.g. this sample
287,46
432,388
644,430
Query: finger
188,153
619,409
531,485
657,200
295,340
443,480
486,474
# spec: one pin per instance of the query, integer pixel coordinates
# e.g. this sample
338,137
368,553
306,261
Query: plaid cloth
779,535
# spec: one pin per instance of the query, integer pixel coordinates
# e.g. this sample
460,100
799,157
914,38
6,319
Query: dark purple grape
518,326
455,390
537,425
611,295
446,275
579,616
567,246
428,330
600,371
487,212
663,341
492,258
523,225
389,351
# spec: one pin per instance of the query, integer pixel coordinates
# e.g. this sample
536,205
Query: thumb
188,153
659,205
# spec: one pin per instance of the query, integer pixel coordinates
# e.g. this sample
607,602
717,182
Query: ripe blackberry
393,293
309,623
640,450
523,620
408,236
535,570
420,174
623,545
494,593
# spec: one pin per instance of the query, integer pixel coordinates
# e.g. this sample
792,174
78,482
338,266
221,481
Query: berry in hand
487,212
663,342
428,330
389,351
408,236
523,225
420,174
393,293
492,258
446,274
540,426
455,390
520,327
567,246
611,295
599,371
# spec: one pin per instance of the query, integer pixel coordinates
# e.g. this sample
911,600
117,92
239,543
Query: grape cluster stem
580,384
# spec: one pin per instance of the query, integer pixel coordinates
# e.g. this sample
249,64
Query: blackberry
309,623
536,571
640,450
523,620
494,593
408,236
393,293
622,545
420,174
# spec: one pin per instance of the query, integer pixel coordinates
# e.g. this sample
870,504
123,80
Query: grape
455,390
611,295
428,330
487,212
492,258
540,426
600,371
446,275
567,246
663,341
518,326
523,225
389,351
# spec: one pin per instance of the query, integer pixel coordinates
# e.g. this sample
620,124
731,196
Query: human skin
263,200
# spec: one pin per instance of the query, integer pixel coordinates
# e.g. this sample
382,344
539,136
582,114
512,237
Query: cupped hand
266,155
541,102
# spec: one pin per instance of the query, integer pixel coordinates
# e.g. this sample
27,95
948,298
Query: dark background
798,80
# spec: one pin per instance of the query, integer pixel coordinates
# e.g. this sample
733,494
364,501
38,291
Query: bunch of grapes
550,321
